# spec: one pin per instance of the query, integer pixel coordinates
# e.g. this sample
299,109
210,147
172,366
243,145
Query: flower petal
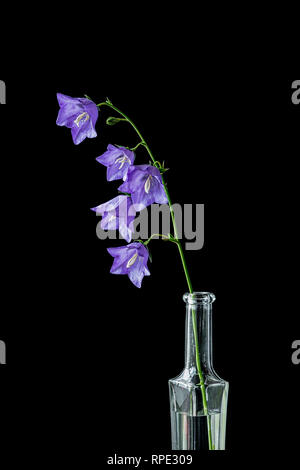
142,199
159,192
92,110
83,131
116,250
125,231
70,108
66,116
135,179
152,170
109,221
146,271
91,133
137,273
118,170
132,260
65,99
108,158
120,262
110,205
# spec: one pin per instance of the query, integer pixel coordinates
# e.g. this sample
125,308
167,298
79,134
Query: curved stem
156,235
130,122
137,146
188,279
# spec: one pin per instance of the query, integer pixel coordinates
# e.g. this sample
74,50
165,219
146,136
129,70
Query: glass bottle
198,396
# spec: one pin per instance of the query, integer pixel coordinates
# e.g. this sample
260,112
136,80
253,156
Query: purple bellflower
144,184
117,160
118,213
79,114
132,260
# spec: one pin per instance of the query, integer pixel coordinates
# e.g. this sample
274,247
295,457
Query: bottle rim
199,298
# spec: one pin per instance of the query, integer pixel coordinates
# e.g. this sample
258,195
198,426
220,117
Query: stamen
132,260
122,160
148,184
80,117
112,217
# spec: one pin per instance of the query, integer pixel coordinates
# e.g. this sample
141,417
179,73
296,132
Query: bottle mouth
199,298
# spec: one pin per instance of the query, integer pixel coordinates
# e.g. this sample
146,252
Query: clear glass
198,396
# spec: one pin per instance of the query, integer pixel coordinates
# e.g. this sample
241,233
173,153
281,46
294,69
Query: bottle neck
198,330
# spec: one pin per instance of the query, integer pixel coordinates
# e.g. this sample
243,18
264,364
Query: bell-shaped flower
144,184
132,260
118,214
79,114
117,160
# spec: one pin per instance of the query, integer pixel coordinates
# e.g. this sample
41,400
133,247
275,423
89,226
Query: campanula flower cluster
142,185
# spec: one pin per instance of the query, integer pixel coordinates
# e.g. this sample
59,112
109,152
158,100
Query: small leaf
122,146
108,101
86,96
150,256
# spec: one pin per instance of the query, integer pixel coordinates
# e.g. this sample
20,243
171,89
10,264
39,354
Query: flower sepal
160,166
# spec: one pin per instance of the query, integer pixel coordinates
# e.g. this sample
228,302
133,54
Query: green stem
188,279
137,146
194,320
130,122
156,235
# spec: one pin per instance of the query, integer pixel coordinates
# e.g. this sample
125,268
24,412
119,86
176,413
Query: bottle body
198,396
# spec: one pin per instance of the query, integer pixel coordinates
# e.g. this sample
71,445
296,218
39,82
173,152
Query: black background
88,354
